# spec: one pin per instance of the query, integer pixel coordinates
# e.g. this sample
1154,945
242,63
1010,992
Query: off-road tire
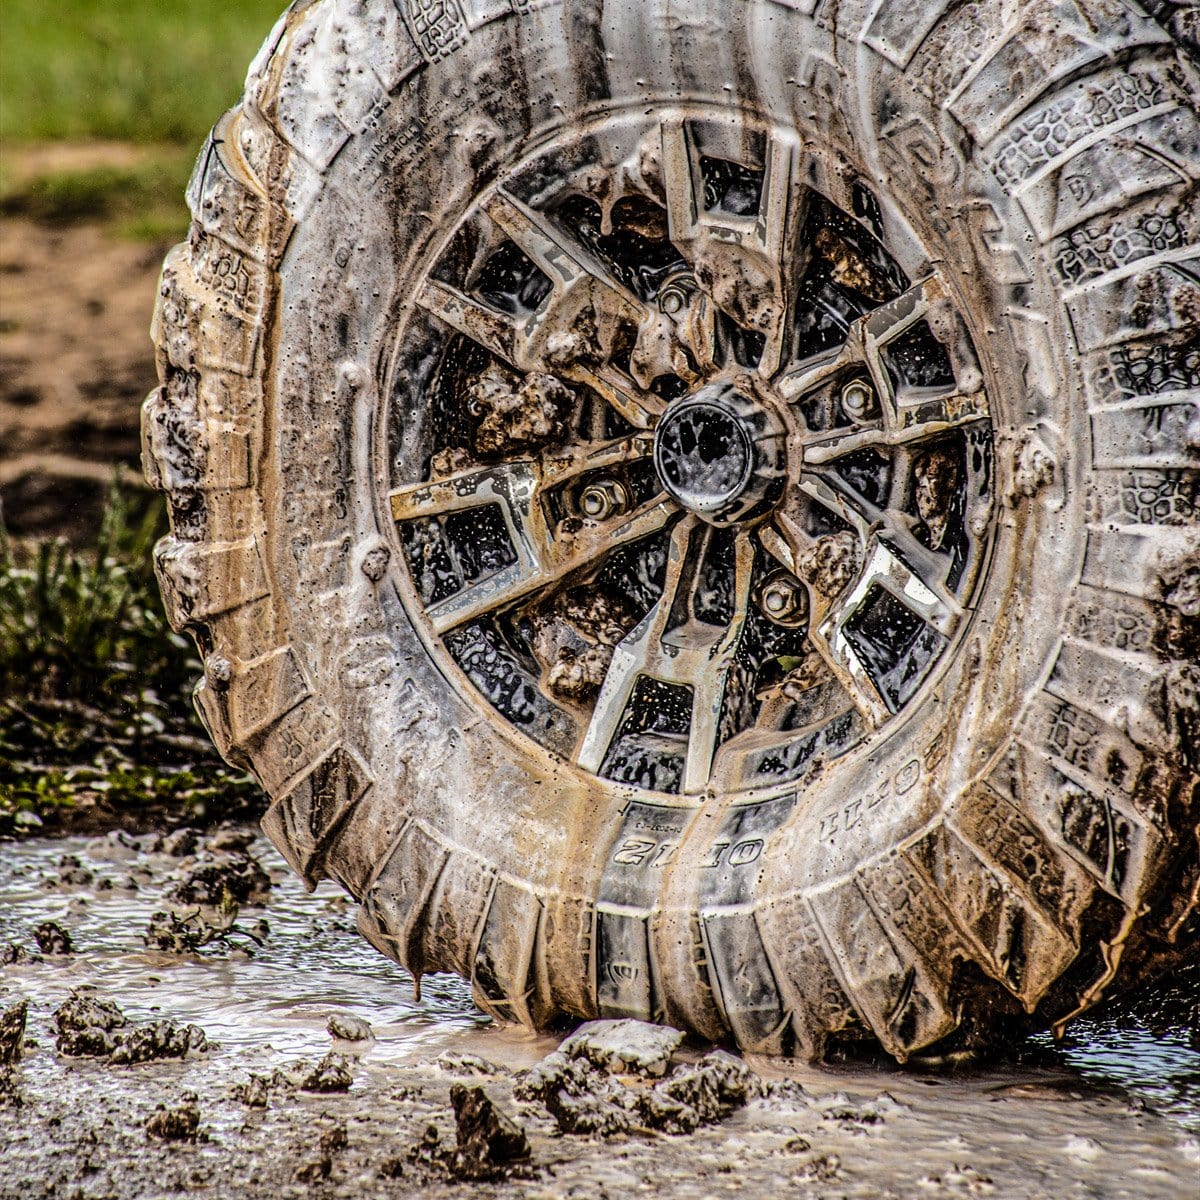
1027,834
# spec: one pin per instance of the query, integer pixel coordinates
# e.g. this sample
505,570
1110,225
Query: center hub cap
721,454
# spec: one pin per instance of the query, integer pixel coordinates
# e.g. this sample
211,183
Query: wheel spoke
787,542
542,555
780,218
746,262
522,343
558,468
884,569
692,654
566,263
543,563
864,341
511,485
682,181
850,671
957,412
887,322
619,391
873,524
492,330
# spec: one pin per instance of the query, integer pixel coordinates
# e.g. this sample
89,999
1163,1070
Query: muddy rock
624,1046
52,938
348,1028
580,1098
331,1142
180,1124
72,872
216,879
316,1171
231,838
334,1139
489,1142
711,1089
392,1168
191,932
427,1157
11,1095
12,1033
332,1074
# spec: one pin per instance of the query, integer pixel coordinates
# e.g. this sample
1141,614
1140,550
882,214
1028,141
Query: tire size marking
642,852
846,816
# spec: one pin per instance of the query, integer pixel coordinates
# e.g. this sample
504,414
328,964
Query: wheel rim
704,491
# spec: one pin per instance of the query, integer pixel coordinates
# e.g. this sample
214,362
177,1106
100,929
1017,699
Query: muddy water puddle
1114,1112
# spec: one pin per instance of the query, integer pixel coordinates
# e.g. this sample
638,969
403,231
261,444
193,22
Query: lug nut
858,399
603,499
675,292
783,599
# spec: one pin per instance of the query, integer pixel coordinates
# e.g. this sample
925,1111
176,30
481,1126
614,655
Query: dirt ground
271,1100
75,365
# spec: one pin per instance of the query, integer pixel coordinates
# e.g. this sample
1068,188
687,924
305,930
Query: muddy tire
691,511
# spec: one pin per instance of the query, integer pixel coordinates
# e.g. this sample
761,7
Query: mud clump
331,1074
490,1143
314,1172
72,872
702,1094
464,1064
52,938
90,1028
180,1124
12,1033
255,1092
332,1141
192,932
220,878
624,1046
596,1085
179,843
14,954
159,1039
87,1027
10,1092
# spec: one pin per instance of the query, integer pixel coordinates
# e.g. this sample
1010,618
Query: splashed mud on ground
1114,1114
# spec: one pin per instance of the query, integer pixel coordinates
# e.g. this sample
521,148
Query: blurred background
104,105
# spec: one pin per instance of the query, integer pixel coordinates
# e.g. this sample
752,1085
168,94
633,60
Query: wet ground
1115,1112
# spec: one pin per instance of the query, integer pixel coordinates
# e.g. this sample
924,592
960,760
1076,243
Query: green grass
134,70
144,201
95,687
